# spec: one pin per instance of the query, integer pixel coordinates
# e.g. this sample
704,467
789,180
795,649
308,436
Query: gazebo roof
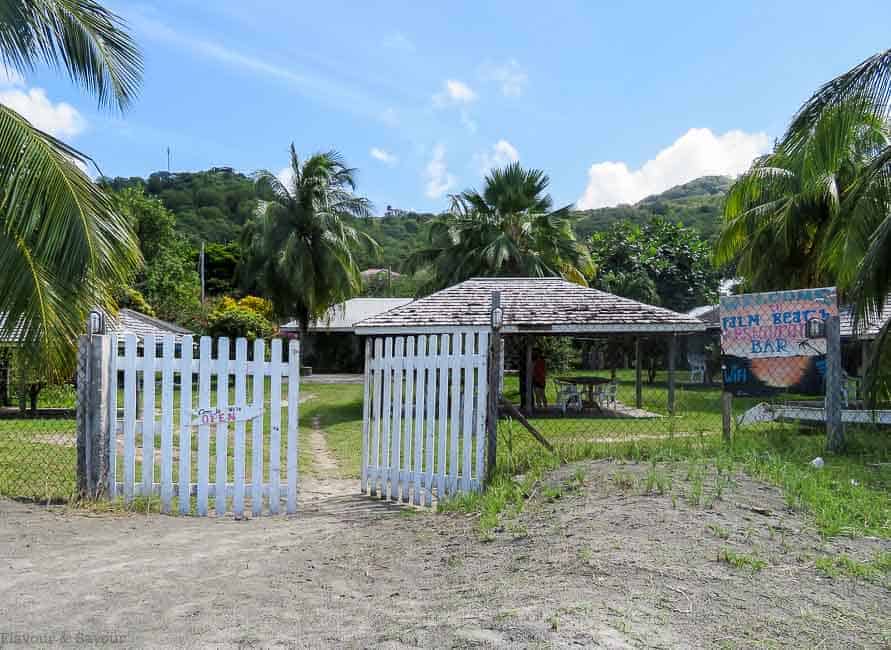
530,305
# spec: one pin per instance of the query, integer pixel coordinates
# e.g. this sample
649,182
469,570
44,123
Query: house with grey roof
331,344
126,321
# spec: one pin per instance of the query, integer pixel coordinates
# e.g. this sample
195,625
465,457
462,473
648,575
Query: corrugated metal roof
530,305
127,321
12,335
871,329
343,316
708,314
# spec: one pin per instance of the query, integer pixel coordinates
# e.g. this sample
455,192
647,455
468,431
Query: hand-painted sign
764,341
209,416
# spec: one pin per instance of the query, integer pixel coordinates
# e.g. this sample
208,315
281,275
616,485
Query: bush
133,299
235,321
258,305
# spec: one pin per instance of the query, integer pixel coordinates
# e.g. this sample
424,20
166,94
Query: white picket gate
164,433
424,416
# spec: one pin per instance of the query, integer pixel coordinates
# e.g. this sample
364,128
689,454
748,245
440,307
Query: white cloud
459,95
61,120
439,180
10,77
399,42
509,75
698,152
384,156
453,93
501,154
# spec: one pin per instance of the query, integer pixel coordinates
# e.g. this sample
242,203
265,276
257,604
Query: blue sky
613,102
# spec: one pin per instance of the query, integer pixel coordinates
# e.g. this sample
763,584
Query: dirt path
592,561
324,482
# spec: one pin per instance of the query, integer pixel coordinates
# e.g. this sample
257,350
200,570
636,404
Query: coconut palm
851,239
298,248
507,230
62,245
804,205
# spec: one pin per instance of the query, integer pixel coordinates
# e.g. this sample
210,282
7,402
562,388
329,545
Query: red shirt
539,372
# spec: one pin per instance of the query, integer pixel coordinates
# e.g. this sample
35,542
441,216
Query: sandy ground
591,561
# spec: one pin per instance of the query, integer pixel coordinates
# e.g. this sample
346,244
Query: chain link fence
38,435
595,397
589,394
38,455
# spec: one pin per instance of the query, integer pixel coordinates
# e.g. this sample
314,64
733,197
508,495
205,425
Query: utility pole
201,270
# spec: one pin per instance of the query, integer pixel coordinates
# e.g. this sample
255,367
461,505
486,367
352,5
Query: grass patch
876,570
741,560
718,531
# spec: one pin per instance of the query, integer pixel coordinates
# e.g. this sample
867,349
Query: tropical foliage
169,279
63,246
509,229
660,263
298,248
821,202
805,204
249,317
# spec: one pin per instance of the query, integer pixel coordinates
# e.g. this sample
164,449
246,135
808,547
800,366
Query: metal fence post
835,434
727,415
92,415
496,356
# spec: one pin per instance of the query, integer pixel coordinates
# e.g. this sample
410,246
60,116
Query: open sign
208,416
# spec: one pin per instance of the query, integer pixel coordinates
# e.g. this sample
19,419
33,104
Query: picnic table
587,384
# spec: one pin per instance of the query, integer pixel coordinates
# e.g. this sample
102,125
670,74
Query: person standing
539,382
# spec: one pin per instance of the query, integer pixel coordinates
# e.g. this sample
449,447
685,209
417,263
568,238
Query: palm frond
88,41
61,232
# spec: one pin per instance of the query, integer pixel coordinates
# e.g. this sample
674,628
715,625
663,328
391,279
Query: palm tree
298,248
803,203
62,244
856,240
508,230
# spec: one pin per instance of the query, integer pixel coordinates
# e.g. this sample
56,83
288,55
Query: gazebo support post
527,386
638,383
672,353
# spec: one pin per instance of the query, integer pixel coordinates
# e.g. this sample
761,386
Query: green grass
38,458
877,570
741,560
339,409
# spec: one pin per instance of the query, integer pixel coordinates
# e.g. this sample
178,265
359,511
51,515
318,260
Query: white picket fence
175,425
424,415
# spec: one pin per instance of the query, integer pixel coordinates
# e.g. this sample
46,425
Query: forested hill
213,205
698,203
210,206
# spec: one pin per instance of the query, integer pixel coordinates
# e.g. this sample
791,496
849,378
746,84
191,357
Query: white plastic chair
697,369
567,394
609,394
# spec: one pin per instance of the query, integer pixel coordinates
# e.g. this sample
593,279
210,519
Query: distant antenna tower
168,160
